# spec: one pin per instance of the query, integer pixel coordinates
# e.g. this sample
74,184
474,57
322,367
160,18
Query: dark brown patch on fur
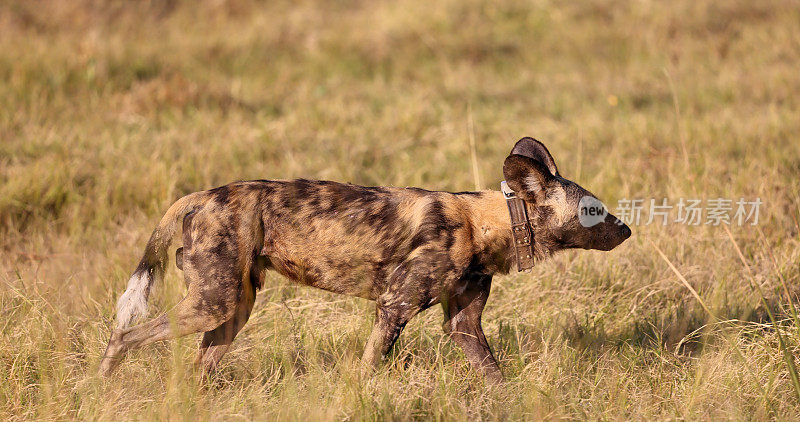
179,258
220,194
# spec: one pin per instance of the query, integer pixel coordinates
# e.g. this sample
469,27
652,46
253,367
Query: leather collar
521,231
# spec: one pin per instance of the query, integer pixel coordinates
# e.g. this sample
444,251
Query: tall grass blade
790,364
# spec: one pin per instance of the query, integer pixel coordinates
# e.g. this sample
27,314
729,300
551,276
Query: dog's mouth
621,234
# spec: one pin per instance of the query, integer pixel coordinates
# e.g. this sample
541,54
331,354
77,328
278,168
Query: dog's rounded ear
528,178
536,150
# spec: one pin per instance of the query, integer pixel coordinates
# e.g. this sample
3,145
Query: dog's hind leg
211,300
216,342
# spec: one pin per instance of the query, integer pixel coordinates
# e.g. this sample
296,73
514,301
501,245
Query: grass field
110,111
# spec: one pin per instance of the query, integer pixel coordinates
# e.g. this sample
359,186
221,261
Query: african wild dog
405,248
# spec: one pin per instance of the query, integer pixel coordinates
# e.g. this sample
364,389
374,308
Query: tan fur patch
557,201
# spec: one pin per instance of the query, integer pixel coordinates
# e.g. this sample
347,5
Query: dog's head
564,214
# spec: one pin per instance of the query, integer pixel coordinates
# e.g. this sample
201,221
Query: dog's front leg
389,322
463,305
406,296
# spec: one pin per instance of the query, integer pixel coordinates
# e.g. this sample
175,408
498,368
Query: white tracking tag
507,192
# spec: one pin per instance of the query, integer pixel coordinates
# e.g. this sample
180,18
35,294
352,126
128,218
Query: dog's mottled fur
405,248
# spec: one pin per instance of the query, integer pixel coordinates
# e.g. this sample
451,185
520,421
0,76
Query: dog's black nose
626,231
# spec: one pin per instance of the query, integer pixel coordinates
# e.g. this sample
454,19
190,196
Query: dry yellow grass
109,111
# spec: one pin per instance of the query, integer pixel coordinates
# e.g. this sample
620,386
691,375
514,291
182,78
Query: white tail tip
132,305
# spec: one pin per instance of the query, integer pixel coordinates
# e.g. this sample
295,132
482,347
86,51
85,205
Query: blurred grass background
111,110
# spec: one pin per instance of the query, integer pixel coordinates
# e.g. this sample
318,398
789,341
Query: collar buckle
507,192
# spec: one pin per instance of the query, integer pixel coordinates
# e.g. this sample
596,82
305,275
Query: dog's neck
491,228
492,237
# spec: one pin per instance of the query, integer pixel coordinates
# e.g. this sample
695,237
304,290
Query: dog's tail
132,305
